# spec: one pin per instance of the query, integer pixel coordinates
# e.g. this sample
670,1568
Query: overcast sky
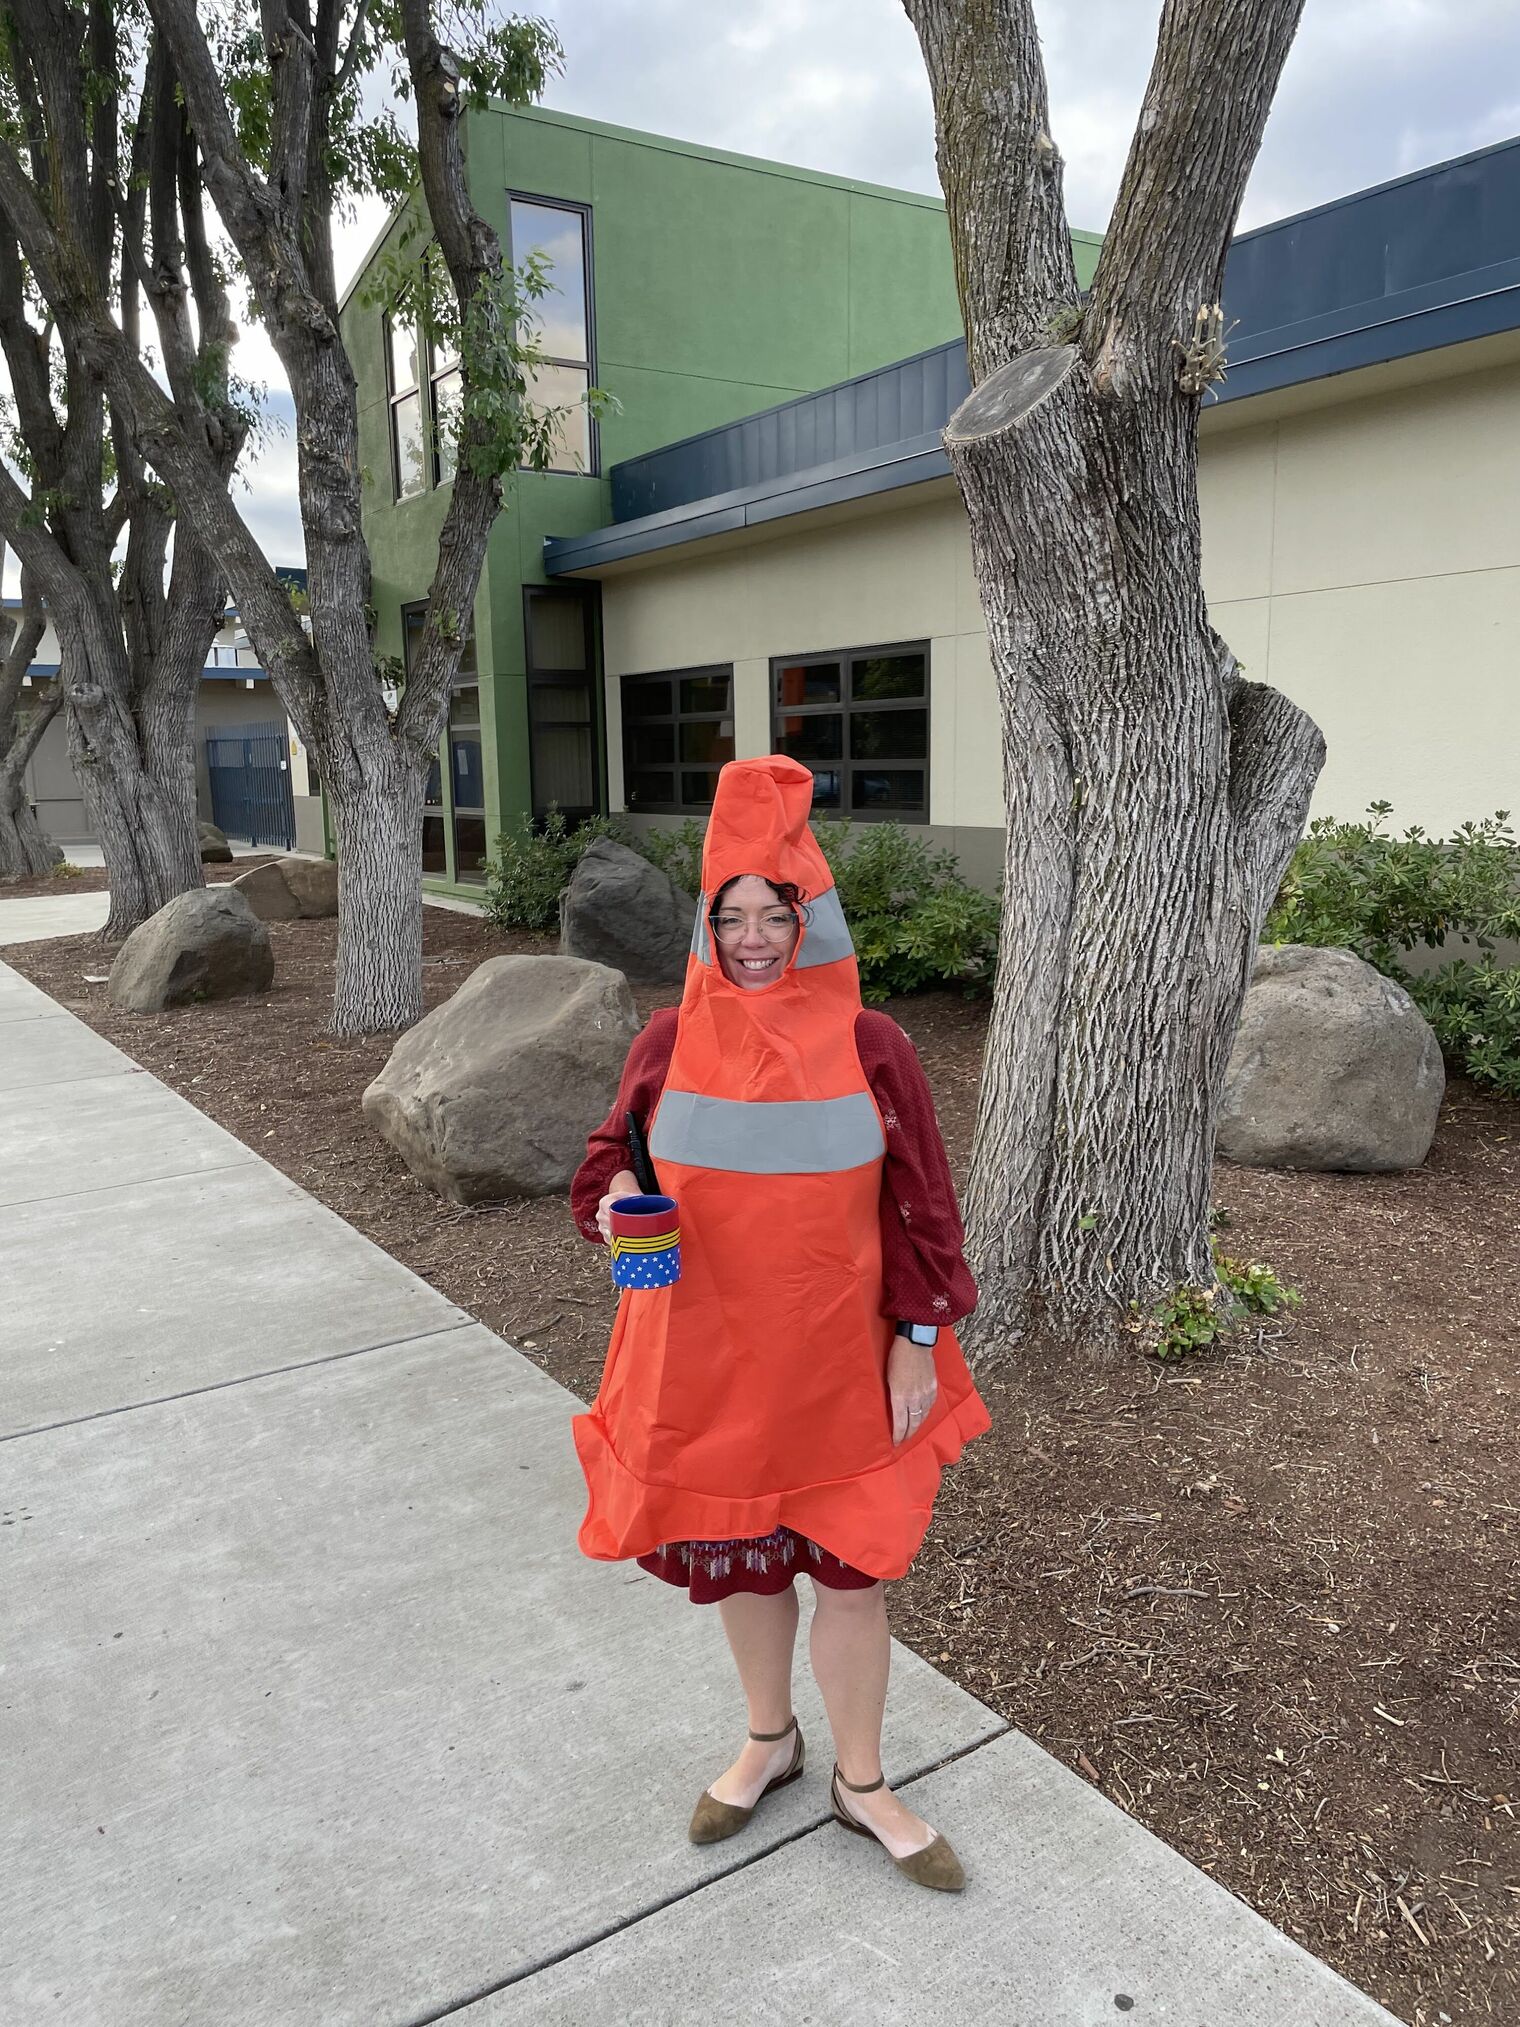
1372,89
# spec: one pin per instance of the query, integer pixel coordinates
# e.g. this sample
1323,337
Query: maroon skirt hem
760,1566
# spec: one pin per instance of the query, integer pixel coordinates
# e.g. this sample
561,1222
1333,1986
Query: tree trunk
26,850
138,784
1153,799
377,812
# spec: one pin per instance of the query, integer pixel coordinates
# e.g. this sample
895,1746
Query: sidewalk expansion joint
243,1379
127,1069
63,1196
614,1928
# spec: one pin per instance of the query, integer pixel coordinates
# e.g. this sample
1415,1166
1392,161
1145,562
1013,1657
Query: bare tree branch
1211,87
472,253
247,208
354,51
1000,171
199,488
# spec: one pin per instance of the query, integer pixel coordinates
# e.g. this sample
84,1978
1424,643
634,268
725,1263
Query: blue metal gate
249,767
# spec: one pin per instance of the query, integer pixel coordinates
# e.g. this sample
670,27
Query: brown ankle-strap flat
713,1820
936,1865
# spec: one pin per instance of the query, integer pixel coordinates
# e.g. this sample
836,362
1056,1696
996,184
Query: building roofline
670,144
393,218
920,460
1376,190
1312,337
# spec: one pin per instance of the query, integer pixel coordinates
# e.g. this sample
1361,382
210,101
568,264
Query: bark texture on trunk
25,848
131,649
374,761
1153,795
379,893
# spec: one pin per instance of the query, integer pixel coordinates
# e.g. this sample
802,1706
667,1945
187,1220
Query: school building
764,549
761,547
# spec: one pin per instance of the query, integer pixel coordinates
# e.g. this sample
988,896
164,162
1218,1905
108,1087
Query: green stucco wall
721,285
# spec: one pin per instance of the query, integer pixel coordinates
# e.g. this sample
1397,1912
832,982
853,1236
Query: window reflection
562,388
406,427
559,315
670,720
859,720
560,323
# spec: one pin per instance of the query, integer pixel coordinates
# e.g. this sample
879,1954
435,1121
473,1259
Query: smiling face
754,932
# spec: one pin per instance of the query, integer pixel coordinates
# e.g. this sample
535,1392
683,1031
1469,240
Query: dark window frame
396,395
845,659
675,718
557,679
593,465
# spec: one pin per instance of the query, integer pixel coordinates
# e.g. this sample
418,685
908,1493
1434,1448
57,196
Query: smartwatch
926,1334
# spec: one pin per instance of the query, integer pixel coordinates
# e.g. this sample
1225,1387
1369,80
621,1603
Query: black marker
643,1167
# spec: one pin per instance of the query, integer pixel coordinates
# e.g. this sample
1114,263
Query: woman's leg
762,1631
851,1652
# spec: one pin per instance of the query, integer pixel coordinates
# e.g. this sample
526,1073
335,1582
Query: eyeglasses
775,927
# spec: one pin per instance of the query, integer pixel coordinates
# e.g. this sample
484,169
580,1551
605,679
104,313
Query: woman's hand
624,1183
912,1385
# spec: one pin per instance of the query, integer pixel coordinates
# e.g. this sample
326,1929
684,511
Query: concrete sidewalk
314,1714
66,913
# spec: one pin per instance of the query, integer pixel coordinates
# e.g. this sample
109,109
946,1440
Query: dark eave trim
1420,320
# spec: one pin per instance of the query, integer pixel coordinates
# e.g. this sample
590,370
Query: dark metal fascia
1426,319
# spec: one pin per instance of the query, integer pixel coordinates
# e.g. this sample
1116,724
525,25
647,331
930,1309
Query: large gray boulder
1334,1067
492,1094
621,910
291,889
208,944
215,850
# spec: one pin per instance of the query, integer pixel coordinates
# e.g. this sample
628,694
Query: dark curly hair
784,890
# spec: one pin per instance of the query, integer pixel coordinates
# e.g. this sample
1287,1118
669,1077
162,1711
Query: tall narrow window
859,717
448,391
468,781
562,320
465,808
407,469
562,742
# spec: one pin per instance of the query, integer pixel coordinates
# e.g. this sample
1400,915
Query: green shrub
1352,885
677,853
915,922
1190,1319
533,865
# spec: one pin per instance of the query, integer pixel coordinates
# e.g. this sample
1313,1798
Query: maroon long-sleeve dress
925,1278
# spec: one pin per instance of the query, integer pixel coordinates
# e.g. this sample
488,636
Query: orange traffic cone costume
752,1394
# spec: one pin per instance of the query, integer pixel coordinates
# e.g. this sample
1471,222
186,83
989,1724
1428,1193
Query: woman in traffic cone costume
772,1410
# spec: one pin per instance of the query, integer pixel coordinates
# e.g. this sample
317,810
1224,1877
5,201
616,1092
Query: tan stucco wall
1363,556
1365,559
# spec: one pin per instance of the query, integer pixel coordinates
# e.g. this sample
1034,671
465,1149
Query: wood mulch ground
1266,1601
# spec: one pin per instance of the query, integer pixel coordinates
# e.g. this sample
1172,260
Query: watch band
925,1334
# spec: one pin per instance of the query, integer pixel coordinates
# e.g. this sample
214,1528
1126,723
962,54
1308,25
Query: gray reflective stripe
827,939
818,1136
828,936
701,948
